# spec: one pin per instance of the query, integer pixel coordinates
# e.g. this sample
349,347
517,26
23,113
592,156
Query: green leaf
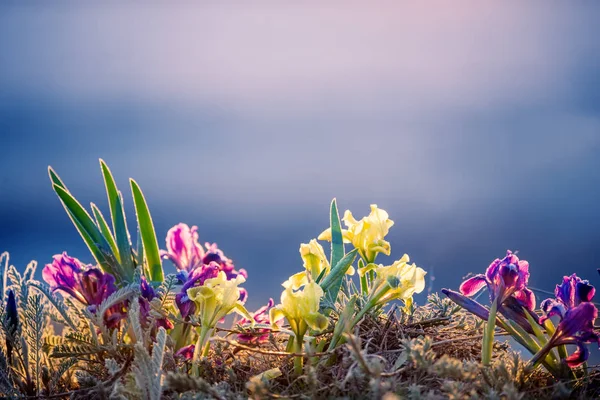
344,324
101,222
115,201
337,240
146,228
333,282
88,230
55,179
4,265
139,254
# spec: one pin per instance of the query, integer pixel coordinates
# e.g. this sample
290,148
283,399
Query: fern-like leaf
143,371
80,338
36,321
117,297
134,319
64,350
62,368
55,301
158,352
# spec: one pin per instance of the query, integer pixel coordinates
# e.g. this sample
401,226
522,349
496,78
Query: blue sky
477,126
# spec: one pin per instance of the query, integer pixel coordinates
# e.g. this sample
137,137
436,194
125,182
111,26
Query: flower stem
182,332
201,349
488,335
299,360
364,286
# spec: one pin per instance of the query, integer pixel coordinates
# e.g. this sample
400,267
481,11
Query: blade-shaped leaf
101,222
333,282
146,228
88,230
4,266
115,201
139,254
55,179
337,240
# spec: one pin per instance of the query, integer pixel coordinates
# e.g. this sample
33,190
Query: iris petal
473,285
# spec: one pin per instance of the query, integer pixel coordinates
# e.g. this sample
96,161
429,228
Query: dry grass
430,355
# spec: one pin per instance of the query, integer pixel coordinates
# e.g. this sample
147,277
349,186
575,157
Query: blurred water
477,129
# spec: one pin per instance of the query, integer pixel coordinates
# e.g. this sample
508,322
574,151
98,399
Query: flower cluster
366,235
573,305
506,280
87,284
195,264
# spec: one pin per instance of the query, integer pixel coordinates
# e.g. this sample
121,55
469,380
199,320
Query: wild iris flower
315,264
195,264
187,352
87,284
569,294
301,308
183,248
577,315
504,278
260,316
214,300
366,235
196,278
398,281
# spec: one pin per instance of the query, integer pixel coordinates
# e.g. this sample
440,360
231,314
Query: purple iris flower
576,327
195,265
261,316
569,294
147,295
504,278
183,248
196,278
214,254
187,352
85,283
577,315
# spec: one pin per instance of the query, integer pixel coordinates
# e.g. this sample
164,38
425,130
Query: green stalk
201,349
525,340
371,303
298,360
181,332
364,286
371,276
488,335
562,349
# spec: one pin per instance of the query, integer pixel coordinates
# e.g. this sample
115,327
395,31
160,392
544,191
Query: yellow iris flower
214,300
217,298
398,281
315,262
301,308
366,235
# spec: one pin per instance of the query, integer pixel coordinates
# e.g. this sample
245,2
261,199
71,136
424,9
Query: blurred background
476,126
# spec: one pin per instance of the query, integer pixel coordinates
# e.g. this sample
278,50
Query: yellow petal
296,281
199,293
316,321
349,219
241,310
350,271
275,314
325,235
369,267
